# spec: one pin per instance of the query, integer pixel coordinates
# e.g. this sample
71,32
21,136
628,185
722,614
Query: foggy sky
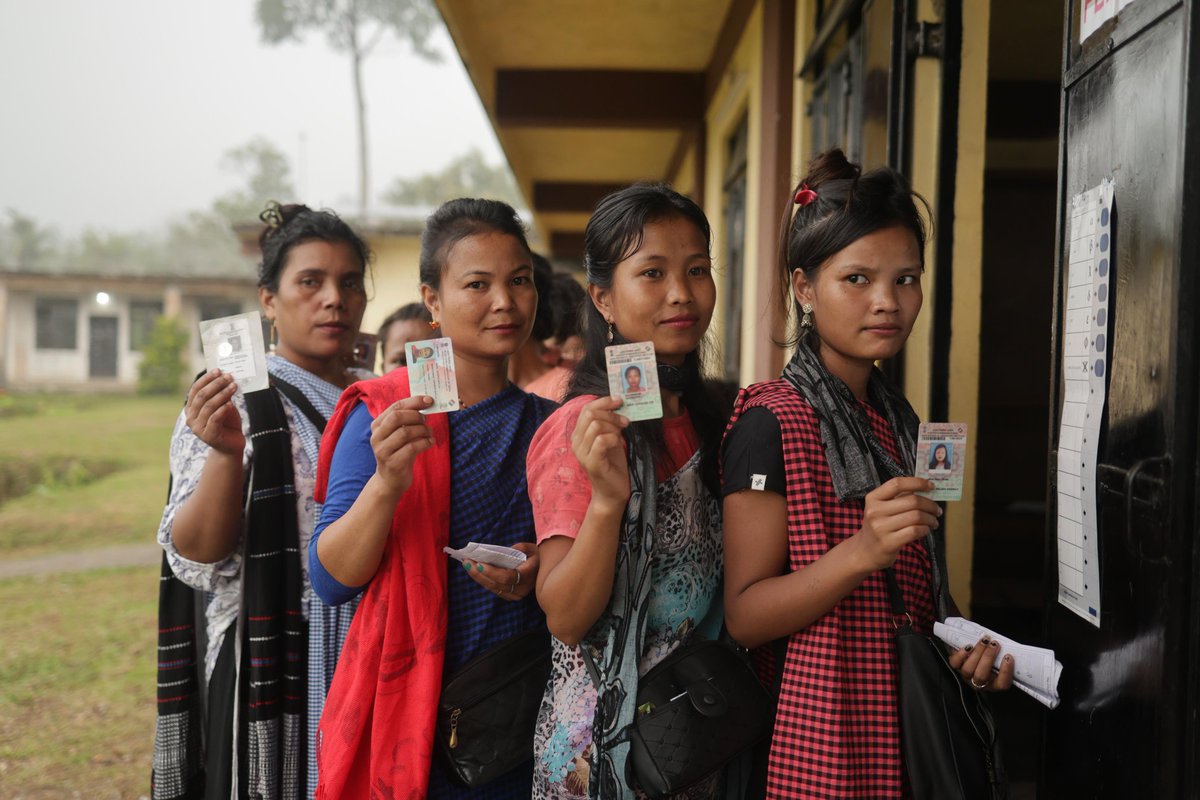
114,114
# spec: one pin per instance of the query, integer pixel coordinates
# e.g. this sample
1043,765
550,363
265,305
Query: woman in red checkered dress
819,498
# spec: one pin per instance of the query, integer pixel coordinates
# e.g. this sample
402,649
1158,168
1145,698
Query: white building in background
67,331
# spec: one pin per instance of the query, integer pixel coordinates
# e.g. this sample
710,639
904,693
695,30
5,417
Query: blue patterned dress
489,504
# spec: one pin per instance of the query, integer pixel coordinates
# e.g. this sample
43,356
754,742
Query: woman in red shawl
397,486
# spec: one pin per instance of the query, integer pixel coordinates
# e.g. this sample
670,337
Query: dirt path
129,555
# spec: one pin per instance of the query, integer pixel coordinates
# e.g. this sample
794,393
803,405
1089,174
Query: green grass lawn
94,470
77,684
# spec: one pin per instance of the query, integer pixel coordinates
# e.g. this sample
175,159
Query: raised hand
211,414
894,516
398,436
598,444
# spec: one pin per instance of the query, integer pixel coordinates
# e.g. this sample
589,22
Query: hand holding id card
633,377
431,372
942,458
235,345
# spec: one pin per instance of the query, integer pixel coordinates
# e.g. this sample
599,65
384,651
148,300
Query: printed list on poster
1085,362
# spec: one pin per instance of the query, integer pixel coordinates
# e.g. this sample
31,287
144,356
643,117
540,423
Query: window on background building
734,237
57,323
142,314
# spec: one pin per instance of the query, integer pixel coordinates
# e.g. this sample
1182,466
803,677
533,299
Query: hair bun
275,216
832,165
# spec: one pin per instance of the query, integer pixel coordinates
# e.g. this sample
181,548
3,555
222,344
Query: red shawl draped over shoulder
375,738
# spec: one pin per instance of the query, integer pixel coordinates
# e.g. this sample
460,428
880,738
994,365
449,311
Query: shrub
162,368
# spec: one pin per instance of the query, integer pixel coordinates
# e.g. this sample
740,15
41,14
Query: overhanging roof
586,97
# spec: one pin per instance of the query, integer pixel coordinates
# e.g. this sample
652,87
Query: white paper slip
235,345
633,377
431,372
942,458
495,554
1035,669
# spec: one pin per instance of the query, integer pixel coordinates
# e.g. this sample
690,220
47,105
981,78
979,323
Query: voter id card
942,458
633,377
234,345
431,372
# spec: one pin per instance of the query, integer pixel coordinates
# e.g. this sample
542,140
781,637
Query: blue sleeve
353,465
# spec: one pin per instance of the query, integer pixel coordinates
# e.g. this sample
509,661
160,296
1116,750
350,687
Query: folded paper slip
1036,670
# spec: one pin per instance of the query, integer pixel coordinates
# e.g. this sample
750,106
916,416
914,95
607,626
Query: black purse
487,711
697,709
949,738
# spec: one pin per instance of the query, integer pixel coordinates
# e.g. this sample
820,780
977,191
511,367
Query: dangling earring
806,321
610,332
433,323
274,337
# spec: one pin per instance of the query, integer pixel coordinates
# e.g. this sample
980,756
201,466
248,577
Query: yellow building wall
968,243
966,305
739,94
395,277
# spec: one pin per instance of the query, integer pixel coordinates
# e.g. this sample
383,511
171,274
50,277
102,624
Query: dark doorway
102,347
1020,210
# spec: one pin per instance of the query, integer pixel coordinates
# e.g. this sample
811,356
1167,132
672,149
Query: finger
971,662
959,657
897,487
199,395
987,658
210,410
397,415
1004,678
601,404
203,382
402,457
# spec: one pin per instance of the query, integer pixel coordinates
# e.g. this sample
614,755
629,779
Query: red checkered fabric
837,729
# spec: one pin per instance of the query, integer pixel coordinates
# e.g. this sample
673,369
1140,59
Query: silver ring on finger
976,686
517,582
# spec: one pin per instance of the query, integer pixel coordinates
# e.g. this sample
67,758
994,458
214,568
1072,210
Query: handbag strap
299,401
897,599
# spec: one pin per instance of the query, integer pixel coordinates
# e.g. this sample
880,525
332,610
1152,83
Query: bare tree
355,27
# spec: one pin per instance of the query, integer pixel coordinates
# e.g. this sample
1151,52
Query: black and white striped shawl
272,639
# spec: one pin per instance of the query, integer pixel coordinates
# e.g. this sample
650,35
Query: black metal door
102,347
1127,724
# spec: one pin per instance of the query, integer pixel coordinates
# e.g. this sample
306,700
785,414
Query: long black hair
614,233
834,206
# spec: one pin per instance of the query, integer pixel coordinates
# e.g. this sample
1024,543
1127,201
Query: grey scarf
854,453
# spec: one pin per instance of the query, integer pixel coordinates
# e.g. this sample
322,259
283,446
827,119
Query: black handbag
487,711
697,709
951,751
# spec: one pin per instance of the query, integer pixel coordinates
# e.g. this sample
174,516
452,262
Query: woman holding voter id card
243,462
596,478
819,501
408,471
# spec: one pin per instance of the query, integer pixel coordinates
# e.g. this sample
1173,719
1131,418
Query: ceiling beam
575,98
570,196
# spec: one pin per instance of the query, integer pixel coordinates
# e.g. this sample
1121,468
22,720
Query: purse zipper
454,715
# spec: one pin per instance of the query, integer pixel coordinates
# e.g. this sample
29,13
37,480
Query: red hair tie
804,195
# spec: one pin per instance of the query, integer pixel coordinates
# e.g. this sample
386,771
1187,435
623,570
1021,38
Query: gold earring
274,337
433,323
610,332
806,321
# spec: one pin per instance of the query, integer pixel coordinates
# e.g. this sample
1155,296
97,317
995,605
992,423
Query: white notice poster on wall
1085,367
1094,13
